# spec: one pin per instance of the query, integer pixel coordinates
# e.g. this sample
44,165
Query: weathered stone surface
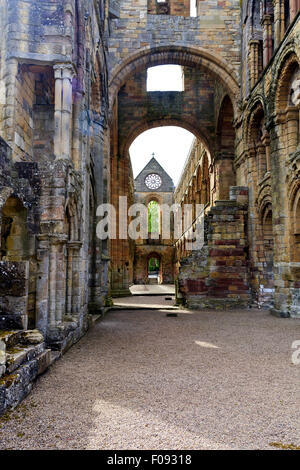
73,97
20,367
32,337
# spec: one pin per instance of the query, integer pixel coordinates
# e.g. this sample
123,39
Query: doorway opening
154,270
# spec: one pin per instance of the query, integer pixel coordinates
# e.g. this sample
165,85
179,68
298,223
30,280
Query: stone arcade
73,97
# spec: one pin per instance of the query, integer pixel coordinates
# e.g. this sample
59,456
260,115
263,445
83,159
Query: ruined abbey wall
73,98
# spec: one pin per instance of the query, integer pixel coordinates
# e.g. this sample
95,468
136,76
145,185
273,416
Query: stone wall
217,28
193,107
169,7
266,161
23,357
54,172
216,276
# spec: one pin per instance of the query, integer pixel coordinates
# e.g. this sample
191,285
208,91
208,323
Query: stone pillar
75,246
292,128
63,74
69,15
293,9
278,22
266,143
8,125
61,276
52,285
203,193
57,281
254,61
69,281
42,283
261,161
267,40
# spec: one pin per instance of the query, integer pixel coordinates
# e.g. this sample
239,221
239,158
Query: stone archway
154,268
185,56
148,125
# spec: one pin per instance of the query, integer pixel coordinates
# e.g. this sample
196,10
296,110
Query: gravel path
141,380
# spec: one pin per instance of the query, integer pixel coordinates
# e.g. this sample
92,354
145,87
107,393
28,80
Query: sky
170,144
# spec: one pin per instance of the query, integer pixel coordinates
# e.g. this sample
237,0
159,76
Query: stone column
293,9
267,39
10,73
52,284
75,246
292,128
253,60
61,279
63,74
42,283
266,143
261,160
252,170
57,278
278,22
203,192
69,278
69,15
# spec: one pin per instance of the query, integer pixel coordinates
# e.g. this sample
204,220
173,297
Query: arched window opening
205,182
225,127
297,232
268,239
259,142
294,91
154,269
267,22
193,8
14,235
153,219
165,78
287,101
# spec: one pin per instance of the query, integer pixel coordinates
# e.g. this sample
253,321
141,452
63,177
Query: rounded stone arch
153,197
155,254
284,68
5,193
256,109
14,234
294,217
267,230
198,176
147,125
264,204
170,54
159,257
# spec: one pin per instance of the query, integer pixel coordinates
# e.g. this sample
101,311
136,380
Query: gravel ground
141,380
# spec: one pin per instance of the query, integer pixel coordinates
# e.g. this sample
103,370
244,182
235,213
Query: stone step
16,386
10,338
20,354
